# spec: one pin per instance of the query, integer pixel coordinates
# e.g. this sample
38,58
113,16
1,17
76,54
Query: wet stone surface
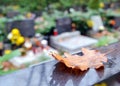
54,73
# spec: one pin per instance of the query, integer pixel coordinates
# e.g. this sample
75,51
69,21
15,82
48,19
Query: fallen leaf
89,59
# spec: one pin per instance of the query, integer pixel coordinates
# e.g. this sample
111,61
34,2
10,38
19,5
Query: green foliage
33,5
2,28
112,13
7,57
94,4
45,25
66,3
28,5
105,40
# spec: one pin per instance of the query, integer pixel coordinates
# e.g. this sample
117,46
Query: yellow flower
13,39
101,84
28,15
101,5
20,40
90,23
15,7
7,51
15,31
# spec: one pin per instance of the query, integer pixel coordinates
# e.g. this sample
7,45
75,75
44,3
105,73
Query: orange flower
112,22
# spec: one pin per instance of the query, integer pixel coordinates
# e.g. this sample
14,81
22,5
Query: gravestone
97,23
63,25
107,6
12,14
71,41
117,22
54,73
26,27
116,5
38,13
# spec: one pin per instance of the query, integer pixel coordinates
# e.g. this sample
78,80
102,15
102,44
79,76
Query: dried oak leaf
89,59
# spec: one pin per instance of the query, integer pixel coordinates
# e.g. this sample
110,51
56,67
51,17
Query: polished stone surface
112,81
54,73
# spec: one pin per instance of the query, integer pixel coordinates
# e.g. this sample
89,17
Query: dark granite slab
54,73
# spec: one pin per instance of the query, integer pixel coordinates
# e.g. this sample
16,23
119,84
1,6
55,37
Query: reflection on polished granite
54,73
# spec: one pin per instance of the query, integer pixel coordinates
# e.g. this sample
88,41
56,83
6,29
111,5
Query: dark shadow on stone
100,71
61,74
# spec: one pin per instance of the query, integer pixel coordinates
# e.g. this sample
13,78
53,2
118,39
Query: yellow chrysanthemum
16,7
101,5
13,39
90,23
15,31
101,84
28,15
20,40
7,51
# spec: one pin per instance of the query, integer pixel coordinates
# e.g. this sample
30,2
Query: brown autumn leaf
89,59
